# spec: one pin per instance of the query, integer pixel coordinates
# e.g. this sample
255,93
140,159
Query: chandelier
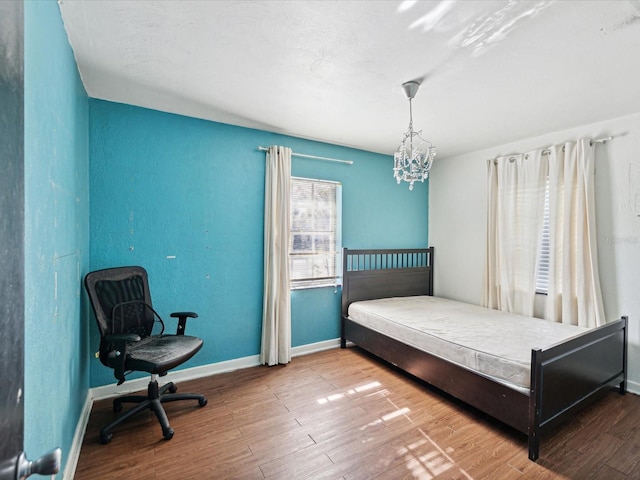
414,157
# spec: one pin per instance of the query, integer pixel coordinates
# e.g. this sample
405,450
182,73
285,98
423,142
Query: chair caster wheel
105,438
168,434
173,389
202,402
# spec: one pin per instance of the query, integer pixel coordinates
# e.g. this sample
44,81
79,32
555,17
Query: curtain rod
547,152
347,162
602,140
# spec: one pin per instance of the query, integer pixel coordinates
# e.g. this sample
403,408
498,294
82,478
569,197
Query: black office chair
122,305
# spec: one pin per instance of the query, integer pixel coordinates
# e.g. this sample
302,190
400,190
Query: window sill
308,287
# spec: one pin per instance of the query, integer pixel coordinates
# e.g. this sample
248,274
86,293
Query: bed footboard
570,375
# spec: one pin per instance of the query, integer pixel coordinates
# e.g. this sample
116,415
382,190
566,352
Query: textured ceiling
491,71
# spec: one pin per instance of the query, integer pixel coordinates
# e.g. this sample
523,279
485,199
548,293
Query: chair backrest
121,300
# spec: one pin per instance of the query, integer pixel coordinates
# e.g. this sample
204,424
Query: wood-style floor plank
342,414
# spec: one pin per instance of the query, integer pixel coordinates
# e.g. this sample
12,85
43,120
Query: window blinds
542,274
314,244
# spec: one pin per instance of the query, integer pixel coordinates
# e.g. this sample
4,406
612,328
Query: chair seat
160,353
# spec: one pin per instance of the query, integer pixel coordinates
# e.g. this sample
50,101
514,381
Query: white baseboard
315,347
633,387
78,437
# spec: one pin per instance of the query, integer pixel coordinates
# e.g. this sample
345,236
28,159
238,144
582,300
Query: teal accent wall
185,199
56,234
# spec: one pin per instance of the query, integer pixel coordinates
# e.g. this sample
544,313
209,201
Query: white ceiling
492,71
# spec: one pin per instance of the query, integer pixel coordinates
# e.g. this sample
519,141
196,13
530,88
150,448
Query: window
542,272
315,242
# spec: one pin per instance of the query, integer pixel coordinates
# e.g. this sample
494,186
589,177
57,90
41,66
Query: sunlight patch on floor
423,458
397,413
351,391
426,460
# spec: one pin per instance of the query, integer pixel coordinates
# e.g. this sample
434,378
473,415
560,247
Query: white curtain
276,311
515,213
574,294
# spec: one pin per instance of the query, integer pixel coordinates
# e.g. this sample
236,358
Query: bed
564,374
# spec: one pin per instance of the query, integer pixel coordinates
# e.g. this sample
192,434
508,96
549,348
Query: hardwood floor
341,414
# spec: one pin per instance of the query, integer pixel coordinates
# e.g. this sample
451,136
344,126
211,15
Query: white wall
457,221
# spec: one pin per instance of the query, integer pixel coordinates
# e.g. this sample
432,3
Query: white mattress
494,343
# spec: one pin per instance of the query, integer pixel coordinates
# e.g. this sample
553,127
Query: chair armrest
184,314
119,354
182,320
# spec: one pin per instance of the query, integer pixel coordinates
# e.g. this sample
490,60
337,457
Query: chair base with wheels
153,401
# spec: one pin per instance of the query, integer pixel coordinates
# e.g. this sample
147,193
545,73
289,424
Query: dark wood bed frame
564,377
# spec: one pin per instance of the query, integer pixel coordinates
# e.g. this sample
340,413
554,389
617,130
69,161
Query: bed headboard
369,274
